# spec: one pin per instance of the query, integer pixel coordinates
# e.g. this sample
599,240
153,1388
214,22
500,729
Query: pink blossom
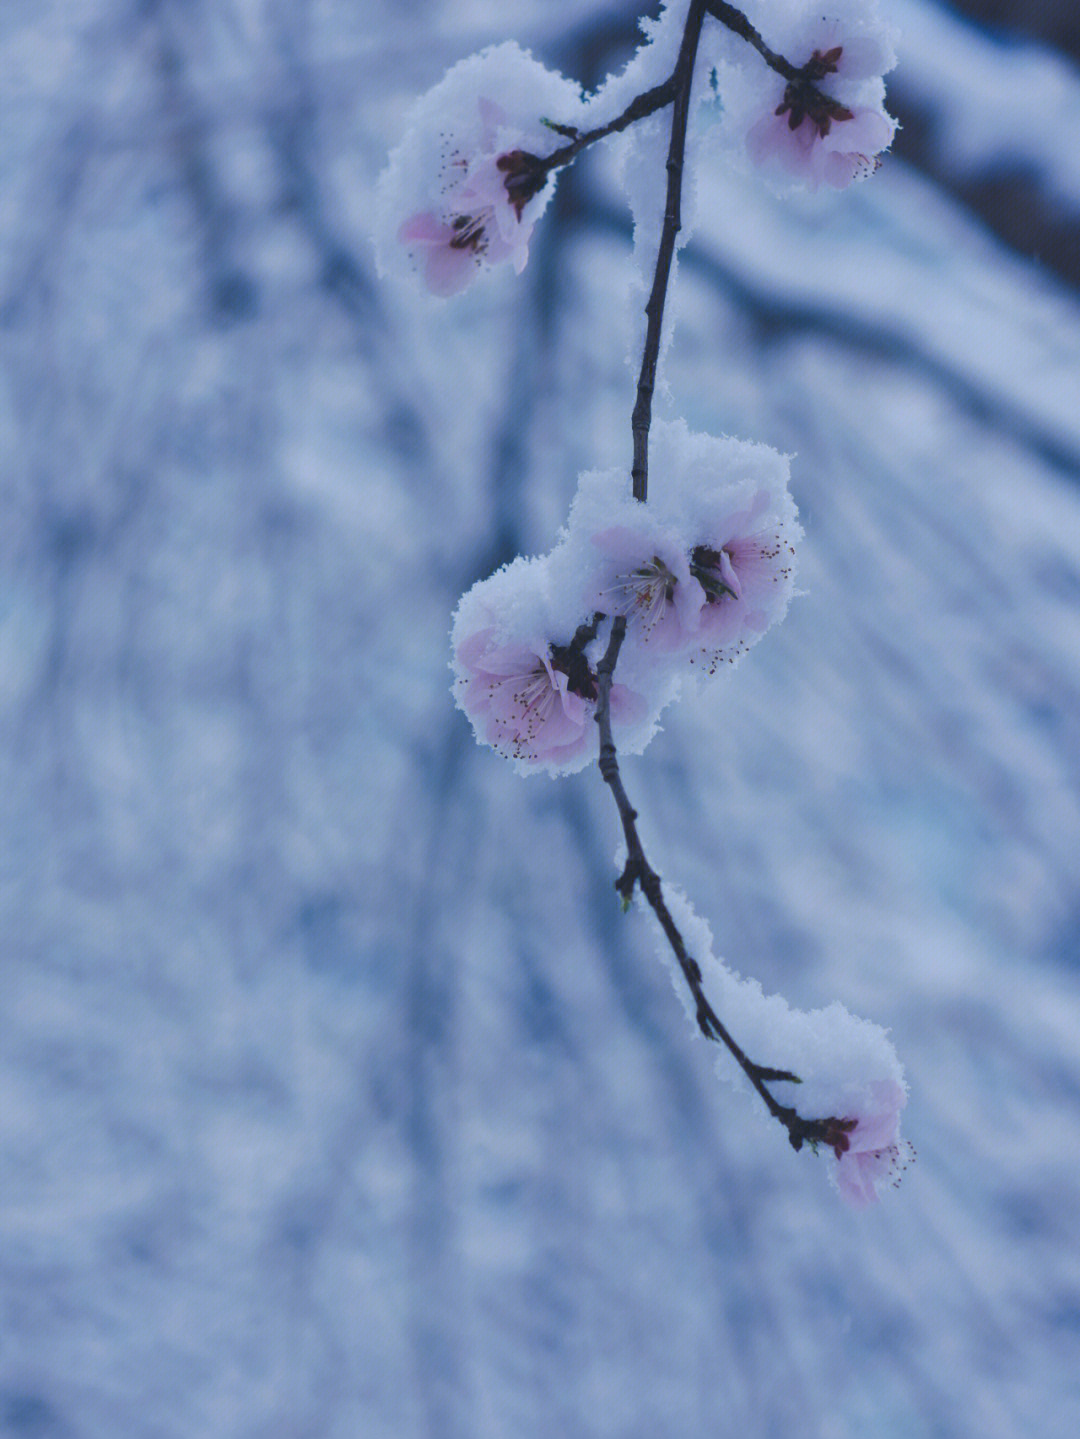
448,251
870,1154
480,217
533,702
645,575
818,135
745,569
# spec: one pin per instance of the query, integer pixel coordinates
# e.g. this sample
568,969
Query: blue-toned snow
337,1098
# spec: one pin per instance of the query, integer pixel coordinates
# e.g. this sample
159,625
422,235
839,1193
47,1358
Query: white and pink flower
480,220
534,703
644,574
831,145
464,189
826,123
525,681
519,702
701,570
745,567
870,1154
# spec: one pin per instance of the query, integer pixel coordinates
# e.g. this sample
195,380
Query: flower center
470,232
525,176
580,679
803,100
645,591
715,573
537,693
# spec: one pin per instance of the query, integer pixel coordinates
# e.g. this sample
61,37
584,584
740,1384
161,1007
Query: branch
638,873
641,106
642,417
735,20
526,174
802,95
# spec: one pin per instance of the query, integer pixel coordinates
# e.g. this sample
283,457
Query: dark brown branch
641,106
639,874
683,79
802,95
736,21
525,175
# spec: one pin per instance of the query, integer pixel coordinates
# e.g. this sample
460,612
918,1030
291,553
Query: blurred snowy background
336,1096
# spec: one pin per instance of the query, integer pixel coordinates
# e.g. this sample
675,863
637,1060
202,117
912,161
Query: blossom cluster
469,179
700,574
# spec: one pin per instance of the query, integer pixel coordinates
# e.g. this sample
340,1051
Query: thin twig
641,106
735,20
525,175
638,873
642,417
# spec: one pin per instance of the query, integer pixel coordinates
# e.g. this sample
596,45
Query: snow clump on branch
464,188
846,1066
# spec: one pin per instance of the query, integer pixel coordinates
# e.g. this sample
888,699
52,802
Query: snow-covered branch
662,583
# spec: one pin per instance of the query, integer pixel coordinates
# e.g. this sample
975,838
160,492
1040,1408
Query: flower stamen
470,232
646,592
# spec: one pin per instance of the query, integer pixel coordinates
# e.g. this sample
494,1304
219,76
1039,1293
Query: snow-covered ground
337,1097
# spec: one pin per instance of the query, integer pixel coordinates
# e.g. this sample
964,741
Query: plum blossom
480,219
817,138
465,187
869,1153
745,567
534,702
703,568
835,146
644,574
825,123
521,701
525,672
